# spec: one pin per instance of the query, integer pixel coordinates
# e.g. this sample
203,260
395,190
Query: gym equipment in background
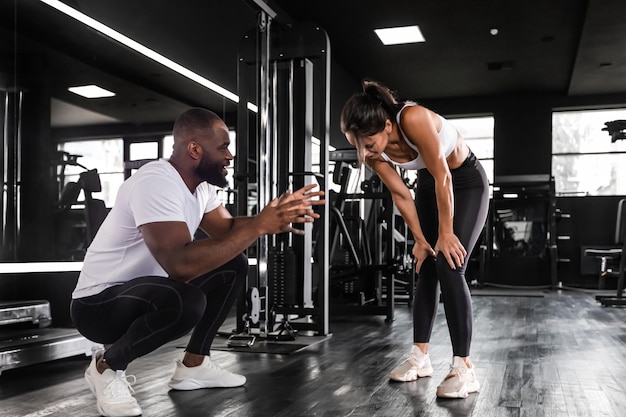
612,260
77,220
521,232
617,130
283,123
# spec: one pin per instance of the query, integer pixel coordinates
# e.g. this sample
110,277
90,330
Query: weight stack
283,285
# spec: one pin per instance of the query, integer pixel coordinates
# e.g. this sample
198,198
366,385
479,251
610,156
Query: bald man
145,281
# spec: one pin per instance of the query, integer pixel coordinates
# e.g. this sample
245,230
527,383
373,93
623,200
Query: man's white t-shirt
118,253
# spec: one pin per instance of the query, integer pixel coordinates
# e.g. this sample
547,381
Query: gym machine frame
279,65
535,254
383,263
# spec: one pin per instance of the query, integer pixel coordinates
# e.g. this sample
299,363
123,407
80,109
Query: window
168,146
144,150
478,134
140,151
106,156
584,160
227,195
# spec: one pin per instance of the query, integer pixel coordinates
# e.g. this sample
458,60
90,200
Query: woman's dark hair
365,113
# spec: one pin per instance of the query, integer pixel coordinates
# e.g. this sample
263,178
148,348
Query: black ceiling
564,47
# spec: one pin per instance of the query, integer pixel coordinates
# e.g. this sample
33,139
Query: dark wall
522,137
342,88
591,223
37,176
29,175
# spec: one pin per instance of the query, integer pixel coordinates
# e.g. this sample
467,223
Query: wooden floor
557,354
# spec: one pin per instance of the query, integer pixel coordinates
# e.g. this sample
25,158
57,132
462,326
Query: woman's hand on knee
452,249
421,251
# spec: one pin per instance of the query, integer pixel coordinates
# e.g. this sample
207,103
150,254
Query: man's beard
212,173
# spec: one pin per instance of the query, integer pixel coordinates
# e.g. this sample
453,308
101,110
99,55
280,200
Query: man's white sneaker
417,365
112,390
460,382
207,375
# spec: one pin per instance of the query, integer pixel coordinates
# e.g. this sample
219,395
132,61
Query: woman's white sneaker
416,365
460,382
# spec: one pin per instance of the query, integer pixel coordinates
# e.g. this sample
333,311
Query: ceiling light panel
400,35
91,91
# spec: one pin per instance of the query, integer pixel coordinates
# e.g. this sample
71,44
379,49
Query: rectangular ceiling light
91,91
400,35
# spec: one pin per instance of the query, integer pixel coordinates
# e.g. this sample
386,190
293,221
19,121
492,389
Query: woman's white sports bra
448,136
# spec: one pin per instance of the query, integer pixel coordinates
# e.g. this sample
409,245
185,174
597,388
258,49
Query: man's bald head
201,152
194,123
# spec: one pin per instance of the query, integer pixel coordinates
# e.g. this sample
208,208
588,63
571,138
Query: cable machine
284,90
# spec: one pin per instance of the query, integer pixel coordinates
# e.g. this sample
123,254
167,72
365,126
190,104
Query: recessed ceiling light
91,91
399,35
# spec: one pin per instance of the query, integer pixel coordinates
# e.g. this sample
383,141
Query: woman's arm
419,124
403,200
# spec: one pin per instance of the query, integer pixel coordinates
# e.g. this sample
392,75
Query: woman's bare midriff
459,154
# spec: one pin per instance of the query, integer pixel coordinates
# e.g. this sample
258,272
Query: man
145,281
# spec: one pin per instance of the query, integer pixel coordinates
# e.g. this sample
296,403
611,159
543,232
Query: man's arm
219,221
184,259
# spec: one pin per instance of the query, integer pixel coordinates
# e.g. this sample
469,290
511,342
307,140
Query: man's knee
240,264
192,305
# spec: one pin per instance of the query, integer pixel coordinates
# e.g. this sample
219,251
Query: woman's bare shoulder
418,120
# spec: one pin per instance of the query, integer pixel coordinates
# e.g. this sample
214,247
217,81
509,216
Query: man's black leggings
144,313
471,203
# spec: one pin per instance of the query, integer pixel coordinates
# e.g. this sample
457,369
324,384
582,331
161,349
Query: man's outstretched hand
291,207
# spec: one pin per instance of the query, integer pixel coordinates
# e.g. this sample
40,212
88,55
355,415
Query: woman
450,209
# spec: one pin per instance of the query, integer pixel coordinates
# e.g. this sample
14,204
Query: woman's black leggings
144,313
471,203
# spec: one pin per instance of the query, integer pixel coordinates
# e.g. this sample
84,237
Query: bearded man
145,280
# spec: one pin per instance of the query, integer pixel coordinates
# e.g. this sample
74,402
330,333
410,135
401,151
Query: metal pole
263,165
11,176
